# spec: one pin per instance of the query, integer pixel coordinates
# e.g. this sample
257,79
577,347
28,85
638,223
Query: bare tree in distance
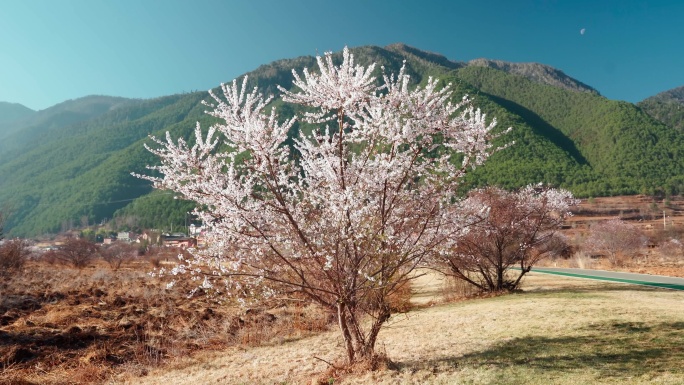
118,253
509,229
78,252
616,239
344,215
13,256
671,248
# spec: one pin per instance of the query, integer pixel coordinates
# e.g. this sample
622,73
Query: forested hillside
70,165
628,151
668,107
60,121
82,173
11,112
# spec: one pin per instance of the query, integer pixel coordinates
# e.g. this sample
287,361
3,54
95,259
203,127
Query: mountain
70,165
667,107
13,111
51,123
81,172
10,113
536,72
627,150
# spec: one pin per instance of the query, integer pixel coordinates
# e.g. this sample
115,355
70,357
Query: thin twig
327,362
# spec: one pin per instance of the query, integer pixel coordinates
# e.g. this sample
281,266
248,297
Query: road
614,276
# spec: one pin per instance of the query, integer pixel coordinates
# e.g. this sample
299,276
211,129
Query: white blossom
361,200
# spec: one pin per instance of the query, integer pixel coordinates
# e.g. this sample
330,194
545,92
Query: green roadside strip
631,281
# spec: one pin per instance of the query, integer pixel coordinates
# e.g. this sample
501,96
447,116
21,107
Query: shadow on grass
24,347
613,349
12,306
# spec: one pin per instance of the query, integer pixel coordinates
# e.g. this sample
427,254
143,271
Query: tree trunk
359,346
342,321
375,330
499,278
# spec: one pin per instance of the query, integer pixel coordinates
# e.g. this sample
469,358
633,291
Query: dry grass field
60,325
558,331
100,325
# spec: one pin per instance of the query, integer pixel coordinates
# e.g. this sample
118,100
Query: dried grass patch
60,325
559,330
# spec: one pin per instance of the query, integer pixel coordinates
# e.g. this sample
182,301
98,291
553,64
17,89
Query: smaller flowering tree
615,238
508,229
344,215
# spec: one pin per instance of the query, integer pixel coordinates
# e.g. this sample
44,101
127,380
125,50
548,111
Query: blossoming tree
344,215
508,229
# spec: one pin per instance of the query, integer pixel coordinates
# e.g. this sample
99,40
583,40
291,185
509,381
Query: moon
582,31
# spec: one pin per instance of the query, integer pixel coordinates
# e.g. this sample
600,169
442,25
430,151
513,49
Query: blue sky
51,51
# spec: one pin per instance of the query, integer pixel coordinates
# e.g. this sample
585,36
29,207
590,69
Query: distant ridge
536,72
430,57
673,95
667,107
10,112
34,126
71,164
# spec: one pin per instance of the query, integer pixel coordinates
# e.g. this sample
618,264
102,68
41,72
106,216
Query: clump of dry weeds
64,325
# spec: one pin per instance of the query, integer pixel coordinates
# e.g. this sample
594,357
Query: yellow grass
559,331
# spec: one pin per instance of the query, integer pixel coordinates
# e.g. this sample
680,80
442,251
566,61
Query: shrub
616,239
75,251
119,253
13,255
672,248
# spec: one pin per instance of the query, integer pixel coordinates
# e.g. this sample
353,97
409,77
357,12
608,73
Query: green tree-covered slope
667,107
628,151
11,112
52,123
72,169
86,172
